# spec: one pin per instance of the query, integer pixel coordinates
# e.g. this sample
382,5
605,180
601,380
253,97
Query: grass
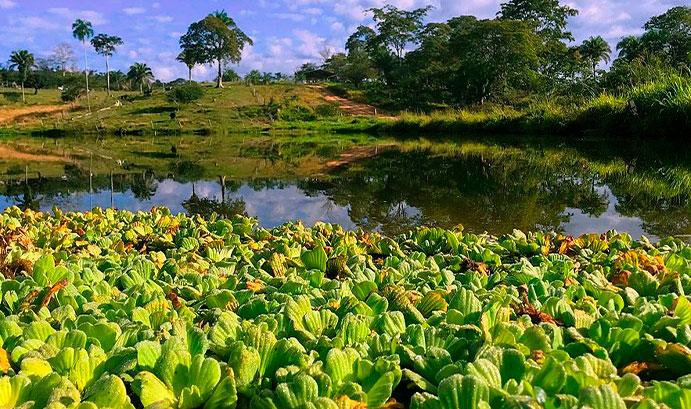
658,109
236,108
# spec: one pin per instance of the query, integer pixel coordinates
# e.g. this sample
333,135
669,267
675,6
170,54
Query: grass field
659,109
232,109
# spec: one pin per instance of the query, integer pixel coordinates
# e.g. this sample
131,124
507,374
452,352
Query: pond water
485,184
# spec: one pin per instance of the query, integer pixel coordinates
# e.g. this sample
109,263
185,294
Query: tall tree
493,55
140,74
215,39
188,58
63,54
549,16
23,61
83,30
106,45
397,28
595,49
672,30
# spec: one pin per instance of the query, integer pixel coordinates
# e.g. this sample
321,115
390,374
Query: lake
485,184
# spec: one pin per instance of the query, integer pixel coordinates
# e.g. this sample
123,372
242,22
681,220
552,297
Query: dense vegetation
119,310
520,69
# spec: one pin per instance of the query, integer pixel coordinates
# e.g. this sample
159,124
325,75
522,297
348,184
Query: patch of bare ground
351,108
8,116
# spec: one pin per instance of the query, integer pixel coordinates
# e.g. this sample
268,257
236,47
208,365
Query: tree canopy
217,39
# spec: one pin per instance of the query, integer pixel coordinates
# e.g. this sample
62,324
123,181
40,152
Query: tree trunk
23,96
190,72
220,75
141,88
86,75
108,73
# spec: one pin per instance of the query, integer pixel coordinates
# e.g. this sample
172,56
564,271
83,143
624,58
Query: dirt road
351,108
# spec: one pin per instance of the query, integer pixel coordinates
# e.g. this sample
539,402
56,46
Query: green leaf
603,397
152,390
461,392
551,377
296,394
683,310
315,259
224,396
14,391
109,392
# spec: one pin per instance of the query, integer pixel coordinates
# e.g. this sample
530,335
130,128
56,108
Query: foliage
105,44
140,75
186,93
216,38
114,309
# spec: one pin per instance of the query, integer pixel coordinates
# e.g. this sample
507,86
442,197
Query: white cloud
165,73
314,11
288,16
69,15
337,26
131,11
163,19
7,4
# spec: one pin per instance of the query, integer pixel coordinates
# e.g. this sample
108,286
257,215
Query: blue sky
286,33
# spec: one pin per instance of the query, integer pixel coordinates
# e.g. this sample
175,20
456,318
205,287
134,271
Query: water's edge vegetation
118,310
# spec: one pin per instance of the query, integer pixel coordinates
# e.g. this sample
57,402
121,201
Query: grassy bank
658,109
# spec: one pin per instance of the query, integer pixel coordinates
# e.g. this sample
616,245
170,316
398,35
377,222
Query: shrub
296,113
327,110
72,93
187,93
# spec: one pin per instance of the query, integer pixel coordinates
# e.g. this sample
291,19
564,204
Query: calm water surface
492,185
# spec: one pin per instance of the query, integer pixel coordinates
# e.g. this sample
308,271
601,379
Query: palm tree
187,58
83,30
106,46
23,61
595,49
140,74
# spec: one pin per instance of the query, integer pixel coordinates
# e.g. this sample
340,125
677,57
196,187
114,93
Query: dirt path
10,115
355,154
351,108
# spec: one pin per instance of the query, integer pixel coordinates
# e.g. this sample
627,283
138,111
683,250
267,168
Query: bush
327,110
186,94
296,113
72,93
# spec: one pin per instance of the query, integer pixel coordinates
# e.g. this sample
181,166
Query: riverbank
657,110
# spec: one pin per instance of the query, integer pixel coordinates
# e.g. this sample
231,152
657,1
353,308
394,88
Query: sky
286,33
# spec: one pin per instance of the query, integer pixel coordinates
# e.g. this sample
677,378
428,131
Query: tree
301,73
23,61
549,17
629,48
140,74
253,77
674,29
216,38
595,49
396,28
63,54
493,56
106,45
83,30
188,58
230,75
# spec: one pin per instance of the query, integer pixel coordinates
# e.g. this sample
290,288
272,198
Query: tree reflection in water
486,185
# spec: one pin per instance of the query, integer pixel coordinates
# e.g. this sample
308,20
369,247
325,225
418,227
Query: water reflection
486,186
